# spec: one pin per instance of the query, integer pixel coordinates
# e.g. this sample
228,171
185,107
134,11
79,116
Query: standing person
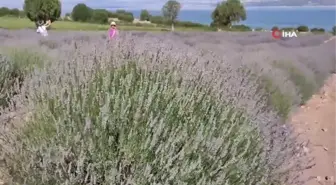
113,30
42,28
45,26
39,24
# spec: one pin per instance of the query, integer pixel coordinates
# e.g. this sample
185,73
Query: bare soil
316,121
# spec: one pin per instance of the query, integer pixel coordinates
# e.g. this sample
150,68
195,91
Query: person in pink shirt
113,30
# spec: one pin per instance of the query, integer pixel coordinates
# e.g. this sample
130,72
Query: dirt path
316,122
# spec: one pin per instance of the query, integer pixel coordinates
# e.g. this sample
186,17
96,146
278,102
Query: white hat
113,24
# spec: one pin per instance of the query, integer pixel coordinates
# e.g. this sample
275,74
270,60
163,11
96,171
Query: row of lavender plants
181,108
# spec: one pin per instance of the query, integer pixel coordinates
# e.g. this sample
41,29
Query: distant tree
144,15
4,11
14,12
81,12
170,11
68,15
42,10
317,30
322,30
275,28
228,12
303,28
334,30
112,14
120,11
22,14
100,16
240,28
125,16
158,20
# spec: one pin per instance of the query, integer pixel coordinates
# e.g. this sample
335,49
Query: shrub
189,24
85,102
303,28
306,88
14,65
317,30
140,126
158,20
279,101
51,44
240,28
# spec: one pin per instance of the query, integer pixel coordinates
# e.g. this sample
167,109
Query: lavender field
155,108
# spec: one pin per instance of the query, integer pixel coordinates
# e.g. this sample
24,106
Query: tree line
4,11
81,12
224,15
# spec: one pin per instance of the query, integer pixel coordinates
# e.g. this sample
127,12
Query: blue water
267,17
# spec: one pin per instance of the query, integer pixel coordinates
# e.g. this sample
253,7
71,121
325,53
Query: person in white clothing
42,28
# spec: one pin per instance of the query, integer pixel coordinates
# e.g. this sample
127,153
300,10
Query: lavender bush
154,108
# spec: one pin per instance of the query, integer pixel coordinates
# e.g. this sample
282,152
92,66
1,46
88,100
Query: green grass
133,124
22,23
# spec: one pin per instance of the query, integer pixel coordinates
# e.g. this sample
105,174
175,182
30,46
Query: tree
100,16
42,10
81,12
275,28
158,20
228,12
22,14
145,16
317,30
4,11
334,30
170,11
125,16
303,28
14,12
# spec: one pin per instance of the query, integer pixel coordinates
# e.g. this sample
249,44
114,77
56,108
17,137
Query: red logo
276,34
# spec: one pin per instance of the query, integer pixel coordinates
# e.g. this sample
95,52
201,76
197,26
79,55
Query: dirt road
316,121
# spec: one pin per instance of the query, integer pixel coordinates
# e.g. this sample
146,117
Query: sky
67,5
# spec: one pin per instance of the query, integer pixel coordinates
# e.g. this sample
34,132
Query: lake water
267,17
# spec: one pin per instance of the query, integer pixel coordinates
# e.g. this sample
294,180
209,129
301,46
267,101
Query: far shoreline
292,7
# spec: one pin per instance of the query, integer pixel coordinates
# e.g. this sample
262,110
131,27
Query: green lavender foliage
150,108
130,126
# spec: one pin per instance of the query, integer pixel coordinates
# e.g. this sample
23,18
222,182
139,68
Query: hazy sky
125,4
